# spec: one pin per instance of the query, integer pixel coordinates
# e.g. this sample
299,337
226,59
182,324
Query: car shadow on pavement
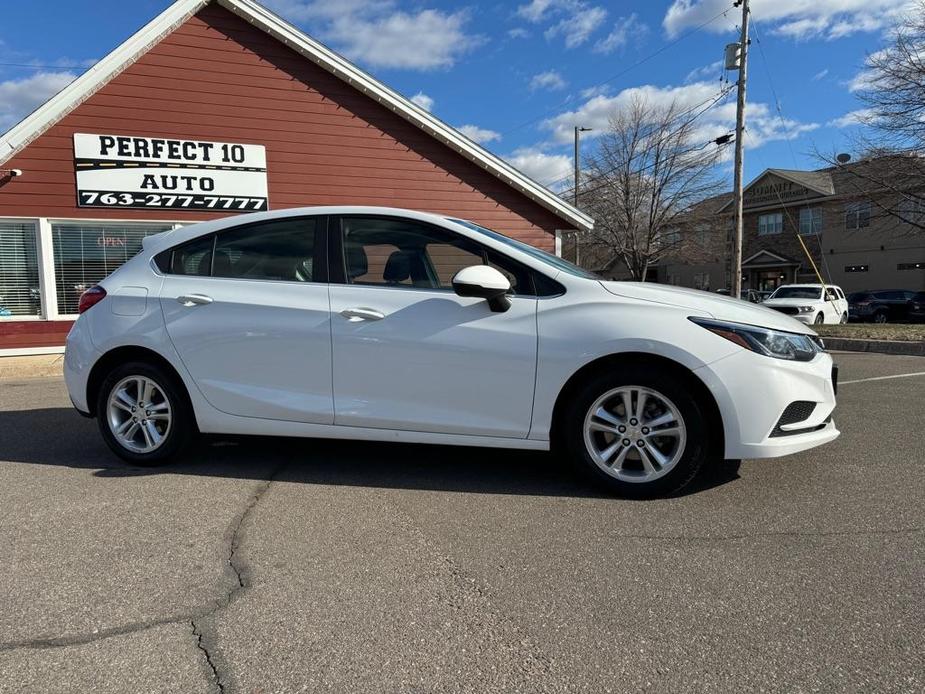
59,436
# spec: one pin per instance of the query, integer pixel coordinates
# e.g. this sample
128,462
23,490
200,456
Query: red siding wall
218,78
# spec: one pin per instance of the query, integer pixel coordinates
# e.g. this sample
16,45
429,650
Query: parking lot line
881,378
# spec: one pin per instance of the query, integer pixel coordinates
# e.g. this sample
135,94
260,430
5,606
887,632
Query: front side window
19,270
857,215
86,253
769,224
405,253
811,220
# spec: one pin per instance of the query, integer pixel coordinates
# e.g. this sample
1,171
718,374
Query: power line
626,70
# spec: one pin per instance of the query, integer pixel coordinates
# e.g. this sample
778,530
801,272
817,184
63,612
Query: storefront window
86,253
19,270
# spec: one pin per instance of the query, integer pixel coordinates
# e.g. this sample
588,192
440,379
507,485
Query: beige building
860,233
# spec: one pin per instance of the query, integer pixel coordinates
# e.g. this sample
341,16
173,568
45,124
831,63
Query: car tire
672,461
144,433
844,318
880,317
819,319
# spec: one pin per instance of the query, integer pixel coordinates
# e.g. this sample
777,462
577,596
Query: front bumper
753,392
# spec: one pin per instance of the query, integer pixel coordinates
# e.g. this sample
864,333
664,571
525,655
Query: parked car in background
394,325
917,308
752,296
882,306
810,303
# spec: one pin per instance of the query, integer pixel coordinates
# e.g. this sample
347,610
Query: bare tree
892,151
641,185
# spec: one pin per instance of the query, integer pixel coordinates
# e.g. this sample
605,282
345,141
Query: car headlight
770,343
805,309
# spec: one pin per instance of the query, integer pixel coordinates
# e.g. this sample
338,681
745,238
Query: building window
857,268
912,211
19,270
857,214
910,266
811,220
86,253
769,224
702,281
671,237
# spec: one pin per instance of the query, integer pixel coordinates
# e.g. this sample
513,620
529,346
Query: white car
394,325
810,303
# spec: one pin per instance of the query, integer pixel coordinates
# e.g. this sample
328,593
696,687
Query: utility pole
739,142
577,160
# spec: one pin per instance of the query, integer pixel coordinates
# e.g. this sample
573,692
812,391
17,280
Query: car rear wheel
144,413
844,318
638,432
880,317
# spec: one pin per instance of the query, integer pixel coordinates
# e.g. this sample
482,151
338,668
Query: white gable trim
772,257
249,10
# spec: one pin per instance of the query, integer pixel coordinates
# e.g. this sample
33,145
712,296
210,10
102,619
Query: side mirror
484,282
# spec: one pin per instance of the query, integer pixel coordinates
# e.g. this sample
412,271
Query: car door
409,353
248,312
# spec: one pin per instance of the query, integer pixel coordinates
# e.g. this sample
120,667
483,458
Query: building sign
124,171
770,190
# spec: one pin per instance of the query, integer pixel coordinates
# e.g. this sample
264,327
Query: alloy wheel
139,414
634,434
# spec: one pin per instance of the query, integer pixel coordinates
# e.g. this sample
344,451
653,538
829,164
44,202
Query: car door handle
357,314
190,300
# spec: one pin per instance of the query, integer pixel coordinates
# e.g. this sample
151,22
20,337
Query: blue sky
519,75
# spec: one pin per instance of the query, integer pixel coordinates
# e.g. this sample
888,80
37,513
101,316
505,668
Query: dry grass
871,331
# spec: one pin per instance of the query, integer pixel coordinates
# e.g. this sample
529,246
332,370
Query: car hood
715,305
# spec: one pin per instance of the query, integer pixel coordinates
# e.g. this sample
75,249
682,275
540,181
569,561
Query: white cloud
379,34
535,10
19,97
852,118
578,26
799,19
822,74
623,30
424,101
542,167
764,125
705,72
481,135
518,33
550,79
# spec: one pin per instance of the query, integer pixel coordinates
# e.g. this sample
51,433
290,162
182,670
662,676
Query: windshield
548,258
797,293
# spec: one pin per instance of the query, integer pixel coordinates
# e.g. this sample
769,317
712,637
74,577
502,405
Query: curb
849,344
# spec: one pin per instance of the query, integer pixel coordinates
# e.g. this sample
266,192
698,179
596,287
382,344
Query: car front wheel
638,432
144,414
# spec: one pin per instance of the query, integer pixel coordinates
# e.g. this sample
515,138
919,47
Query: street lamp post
577,160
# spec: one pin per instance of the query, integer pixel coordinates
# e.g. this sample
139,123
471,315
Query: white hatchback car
810,303
393,325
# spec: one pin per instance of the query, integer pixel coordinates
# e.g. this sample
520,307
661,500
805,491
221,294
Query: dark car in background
917,307
881,306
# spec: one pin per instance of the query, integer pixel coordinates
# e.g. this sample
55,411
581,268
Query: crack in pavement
216,676
237,581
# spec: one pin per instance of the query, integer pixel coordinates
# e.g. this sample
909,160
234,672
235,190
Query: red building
218,107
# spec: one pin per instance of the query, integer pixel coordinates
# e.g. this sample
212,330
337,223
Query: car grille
789,310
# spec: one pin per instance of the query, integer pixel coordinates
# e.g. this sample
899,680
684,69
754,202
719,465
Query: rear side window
192,258
282,251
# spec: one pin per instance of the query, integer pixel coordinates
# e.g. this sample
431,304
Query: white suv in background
810,303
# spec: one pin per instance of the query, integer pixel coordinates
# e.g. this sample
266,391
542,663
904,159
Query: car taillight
90,298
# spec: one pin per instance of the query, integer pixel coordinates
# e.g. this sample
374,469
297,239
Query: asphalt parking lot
298,565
